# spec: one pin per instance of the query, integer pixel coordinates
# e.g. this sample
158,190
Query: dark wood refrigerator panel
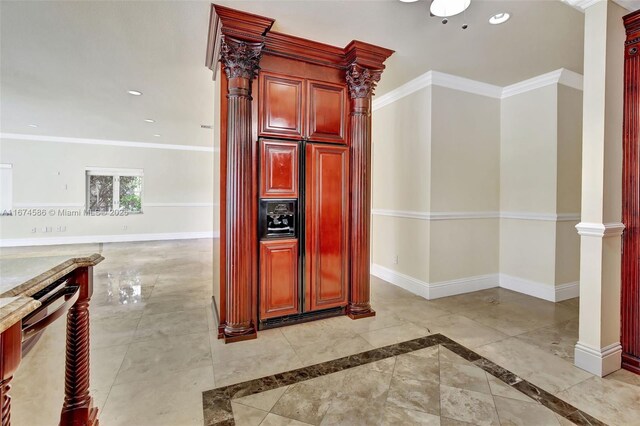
278,278
630,297
282,106
326,226
278,169
326,112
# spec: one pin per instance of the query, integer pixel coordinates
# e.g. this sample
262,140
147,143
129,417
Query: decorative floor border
217,402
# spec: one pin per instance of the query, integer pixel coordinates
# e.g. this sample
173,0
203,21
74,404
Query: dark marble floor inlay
217,402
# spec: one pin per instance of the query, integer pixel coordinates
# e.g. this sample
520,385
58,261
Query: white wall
178,198
476,186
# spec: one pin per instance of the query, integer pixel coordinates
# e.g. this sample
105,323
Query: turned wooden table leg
78,406
11,353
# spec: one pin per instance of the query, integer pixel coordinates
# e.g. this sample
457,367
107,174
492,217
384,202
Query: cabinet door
278,169
326,222
281,106
326,112
278,278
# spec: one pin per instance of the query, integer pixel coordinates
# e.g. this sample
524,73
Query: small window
6,186
114,190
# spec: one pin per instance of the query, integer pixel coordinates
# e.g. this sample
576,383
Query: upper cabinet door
327,112
281,106
278,169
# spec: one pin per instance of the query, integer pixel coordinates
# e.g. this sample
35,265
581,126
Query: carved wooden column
10,351
78,408
240,62
630,297
361,82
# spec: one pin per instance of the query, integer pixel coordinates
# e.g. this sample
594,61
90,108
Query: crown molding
435,78
562,76
85,141
582,5
465,85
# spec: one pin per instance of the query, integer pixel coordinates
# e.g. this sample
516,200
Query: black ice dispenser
278,218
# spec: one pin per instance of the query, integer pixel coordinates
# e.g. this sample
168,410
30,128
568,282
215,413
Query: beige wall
540,178
465,178
514,162
53,173
436,151
465,152
401,175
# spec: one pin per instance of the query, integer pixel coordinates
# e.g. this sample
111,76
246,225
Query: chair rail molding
423,215
107,142
602,230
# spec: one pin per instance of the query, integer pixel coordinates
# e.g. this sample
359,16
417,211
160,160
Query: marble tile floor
154,351
426,381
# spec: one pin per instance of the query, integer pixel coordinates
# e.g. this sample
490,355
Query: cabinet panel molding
281,111
327,108
278,278
278,169
327,227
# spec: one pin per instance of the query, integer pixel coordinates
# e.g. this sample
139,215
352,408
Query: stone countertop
22,277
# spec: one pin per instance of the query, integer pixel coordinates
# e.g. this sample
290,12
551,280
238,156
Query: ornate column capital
239,58
362,81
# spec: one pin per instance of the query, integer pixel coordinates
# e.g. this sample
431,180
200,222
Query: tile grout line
217,402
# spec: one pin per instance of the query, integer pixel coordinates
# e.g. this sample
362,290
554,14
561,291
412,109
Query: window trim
116,173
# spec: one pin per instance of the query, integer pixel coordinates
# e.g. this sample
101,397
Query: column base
631,363
250,334
358,314
598,361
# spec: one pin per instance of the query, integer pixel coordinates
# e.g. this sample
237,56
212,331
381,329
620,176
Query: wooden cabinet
293,108
278,278
281,106
326,112
327,222
278,169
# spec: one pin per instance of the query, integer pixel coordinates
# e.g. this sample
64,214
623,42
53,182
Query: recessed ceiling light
156,135
32,125
446,8
408,1
148,120
134,92
499,18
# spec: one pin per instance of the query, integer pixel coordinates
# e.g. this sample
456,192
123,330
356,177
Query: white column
598,350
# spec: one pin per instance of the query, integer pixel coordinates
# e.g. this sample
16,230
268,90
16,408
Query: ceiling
67,66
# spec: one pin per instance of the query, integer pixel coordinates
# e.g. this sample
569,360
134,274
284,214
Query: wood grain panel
327,226
326,112
278,169
278,278
630,297
281,106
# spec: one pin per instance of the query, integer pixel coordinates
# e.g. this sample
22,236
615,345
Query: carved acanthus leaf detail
362,81
239,58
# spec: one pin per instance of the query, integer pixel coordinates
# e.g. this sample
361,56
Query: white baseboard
552,293
434,290
598,361
401,280
88,239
